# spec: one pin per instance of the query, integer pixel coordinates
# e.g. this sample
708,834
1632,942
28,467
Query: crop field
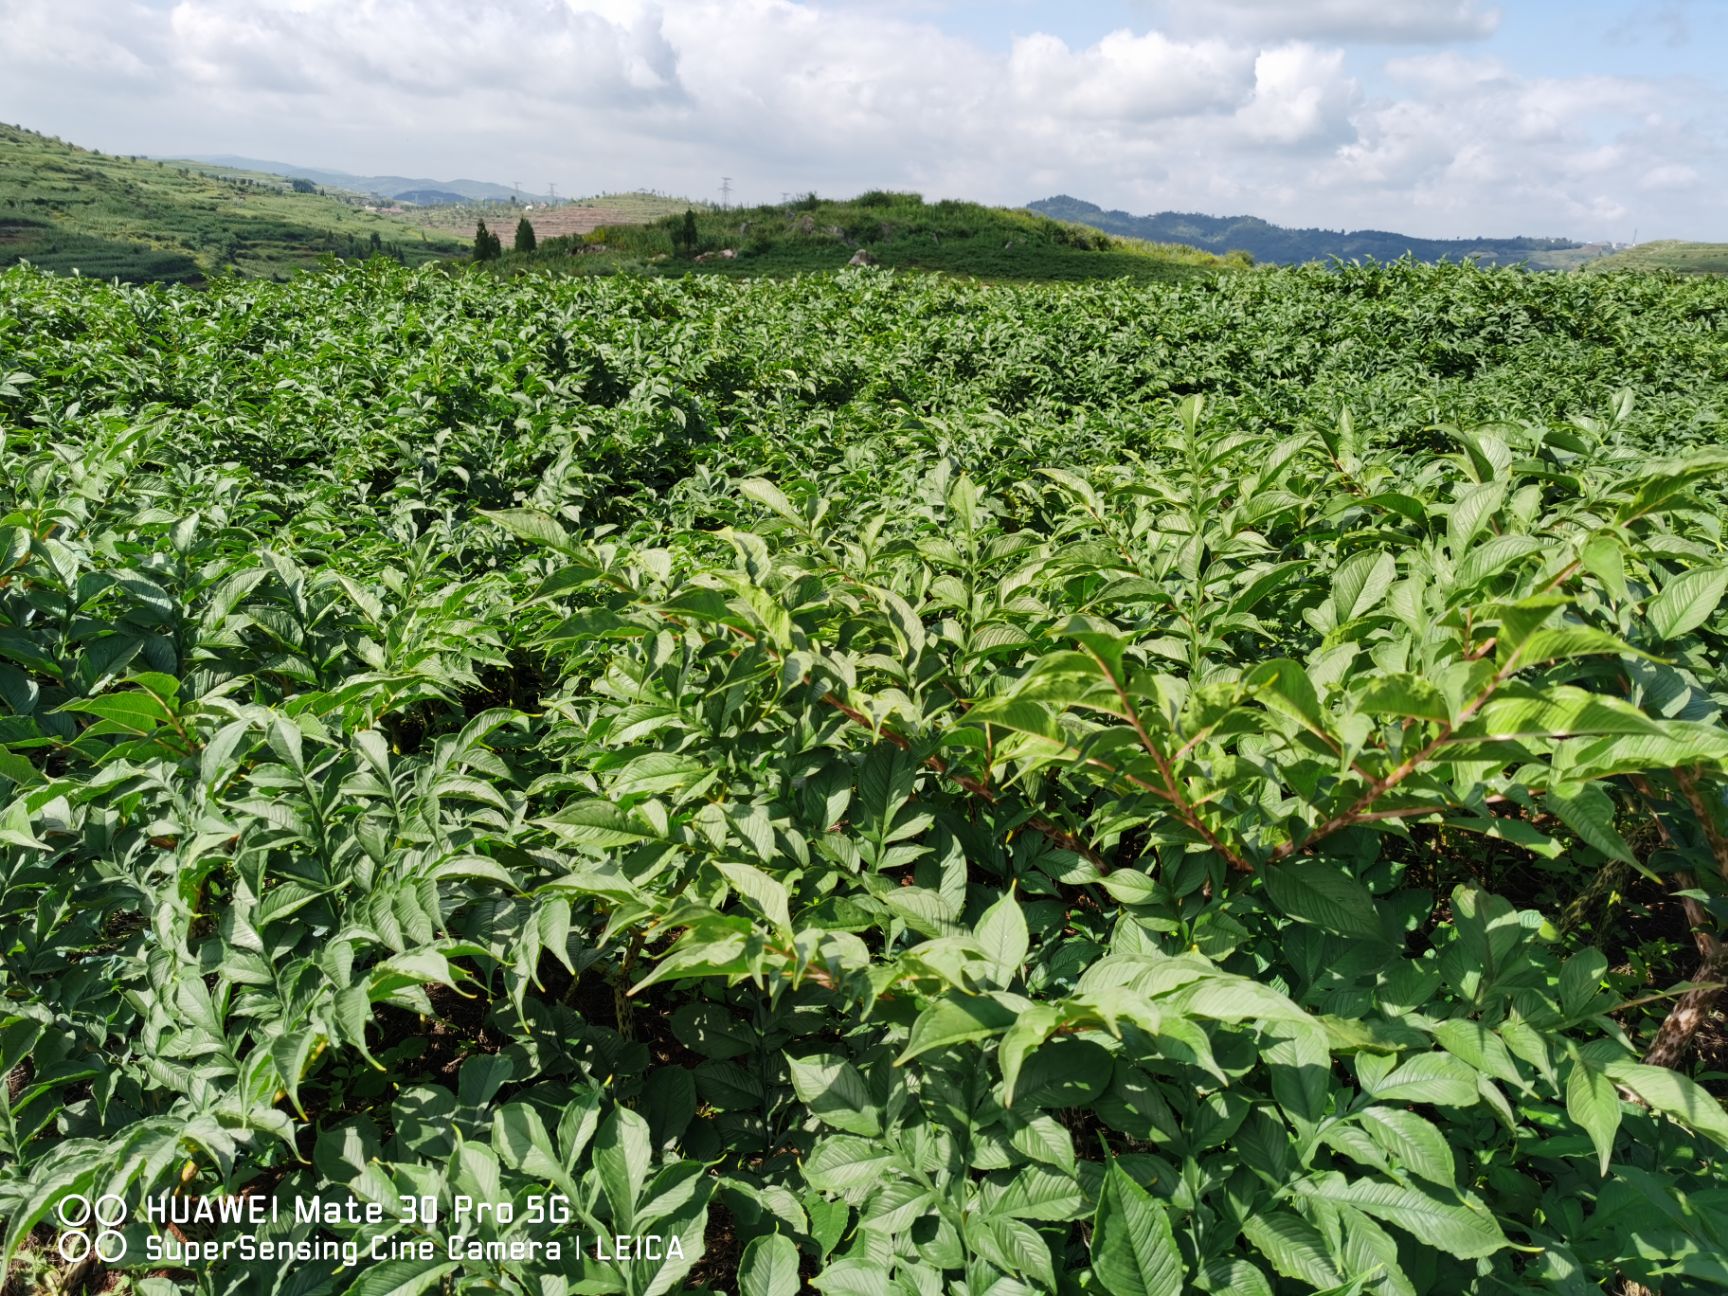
871,782
554,220
81,212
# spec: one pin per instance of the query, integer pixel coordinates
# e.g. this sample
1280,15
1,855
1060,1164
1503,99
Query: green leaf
1014,1245
1674,1095
841,1163
1319,892
769,1267
1413,1141
956,1019
1129,886
1002,934
1402,694
1283,685
853,1277
1460,1227
400,1278
1590,812
623,1153
1293,1246
835,1093
1687,601
769,495
1133,1249
533,526
1594,1106
766,893
1437,1078
599,824
137,713
1360,584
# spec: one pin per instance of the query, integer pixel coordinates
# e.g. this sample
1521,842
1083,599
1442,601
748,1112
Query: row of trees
489,247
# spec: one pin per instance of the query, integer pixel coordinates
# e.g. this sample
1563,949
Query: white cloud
1268,110
1301,95
1129,78
1669,176
1397,22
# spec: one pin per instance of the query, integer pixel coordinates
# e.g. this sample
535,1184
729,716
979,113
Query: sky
1590,119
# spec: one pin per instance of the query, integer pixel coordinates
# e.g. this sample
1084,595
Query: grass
68,209
899,230
1669,254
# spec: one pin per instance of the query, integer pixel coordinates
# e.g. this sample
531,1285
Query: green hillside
66,208
898,230
1282,245
1669,254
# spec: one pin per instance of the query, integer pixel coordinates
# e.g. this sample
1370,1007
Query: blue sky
1438,117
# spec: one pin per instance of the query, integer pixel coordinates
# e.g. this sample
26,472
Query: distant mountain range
402,187
1281,245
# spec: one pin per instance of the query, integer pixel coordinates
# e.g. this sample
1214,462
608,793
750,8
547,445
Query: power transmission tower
725,191
552,193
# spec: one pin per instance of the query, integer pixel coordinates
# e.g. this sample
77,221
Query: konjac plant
873,782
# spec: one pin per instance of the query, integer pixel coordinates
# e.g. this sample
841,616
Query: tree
299,185
487,246
688,233
524,236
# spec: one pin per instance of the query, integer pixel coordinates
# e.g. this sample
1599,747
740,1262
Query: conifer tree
486,244
524,235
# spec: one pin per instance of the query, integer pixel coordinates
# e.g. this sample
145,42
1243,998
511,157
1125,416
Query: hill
385,186
1669,254
1282,245
431,198
68,209
891,229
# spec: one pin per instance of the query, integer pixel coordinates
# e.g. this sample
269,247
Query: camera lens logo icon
88,1226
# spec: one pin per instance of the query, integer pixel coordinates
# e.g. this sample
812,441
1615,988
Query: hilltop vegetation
66,208
897,230
892,784
1669,254
381,186
1281,245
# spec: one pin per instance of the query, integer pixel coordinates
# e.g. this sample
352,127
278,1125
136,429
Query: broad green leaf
1687,601
1359,586
769,1267
1413,1141
1318,891
1293,1247
623,1153
1133,1250
956,1019
1673,1095
835,1093
842,1163
599,824
399,1278
1591,1101
1402,694
1456,1226
1437,1078
1002,934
